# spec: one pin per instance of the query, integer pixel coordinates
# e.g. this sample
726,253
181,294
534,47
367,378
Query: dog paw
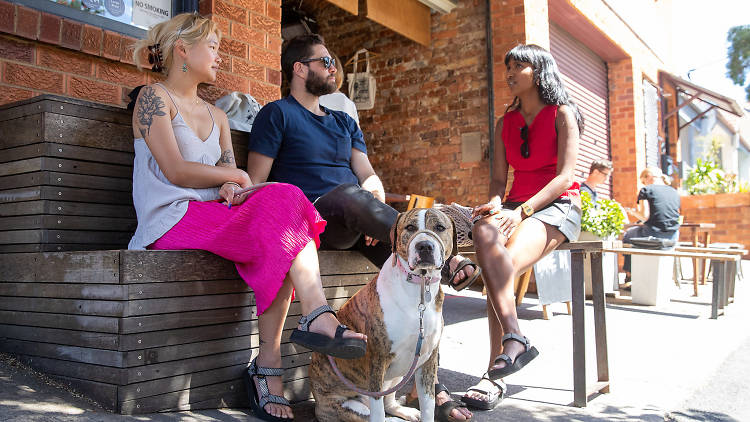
357,407
405,413
395,419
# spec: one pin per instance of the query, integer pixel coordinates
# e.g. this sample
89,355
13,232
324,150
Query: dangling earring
184,67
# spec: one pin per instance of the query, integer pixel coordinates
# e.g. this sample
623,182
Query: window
129,17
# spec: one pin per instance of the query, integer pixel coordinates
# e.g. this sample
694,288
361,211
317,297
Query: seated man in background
322,151
598,174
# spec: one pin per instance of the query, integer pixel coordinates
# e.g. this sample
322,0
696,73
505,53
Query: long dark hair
546,77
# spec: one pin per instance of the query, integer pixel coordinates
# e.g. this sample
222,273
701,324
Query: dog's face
424,238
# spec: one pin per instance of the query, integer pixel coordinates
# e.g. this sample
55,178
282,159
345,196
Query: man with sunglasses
598,174
296,140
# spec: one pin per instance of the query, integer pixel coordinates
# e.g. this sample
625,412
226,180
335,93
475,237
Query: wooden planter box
149,331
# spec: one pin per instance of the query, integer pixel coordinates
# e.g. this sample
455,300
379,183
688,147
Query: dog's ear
394,228
455,237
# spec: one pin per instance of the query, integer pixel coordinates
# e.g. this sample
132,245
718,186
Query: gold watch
527,209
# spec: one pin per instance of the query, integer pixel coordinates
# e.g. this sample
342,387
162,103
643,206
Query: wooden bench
724,271
144,331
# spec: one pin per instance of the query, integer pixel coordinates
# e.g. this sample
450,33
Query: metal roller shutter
585,77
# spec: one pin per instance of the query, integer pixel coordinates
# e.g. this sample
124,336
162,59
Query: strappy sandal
338,346
443,411
447,276
513,366
259,401
493,397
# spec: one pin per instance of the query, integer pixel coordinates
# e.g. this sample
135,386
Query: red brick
247,69
27,22
223,24
128,46
226,63
71,34
230,11
273,77
211,93
49,30
266,58
7,17
233,48
231,82
112,45
93,90
264,91
248,35
255,6
92,40
274,44
10,94
59,59
266,25
120,73
274,12
12,49
31,77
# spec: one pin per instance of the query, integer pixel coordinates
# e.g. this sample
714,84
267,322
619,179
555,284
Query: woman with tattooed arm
184,183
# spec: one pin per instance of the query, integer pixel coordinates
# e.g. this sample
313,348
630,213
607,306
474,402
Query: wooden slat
104,394
409,18
63,337
180,382
73,152
185,288
97,373
63,165
155,266
227,394
351,6
187,335
57,193
52,178
67,222
22,130
88,132
67,208
70,322
48,103
89,355
140,324
56,247
188,303
65,291
64,236
62,267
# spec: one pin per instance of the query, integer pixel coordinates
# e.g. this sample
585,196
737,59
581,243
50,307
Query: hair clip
155,58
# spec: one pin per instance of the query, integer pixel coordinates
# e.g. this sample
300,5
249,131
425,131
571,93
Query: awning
694,92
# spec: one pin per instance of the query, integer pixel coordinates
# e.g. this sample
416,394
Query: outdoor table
696,229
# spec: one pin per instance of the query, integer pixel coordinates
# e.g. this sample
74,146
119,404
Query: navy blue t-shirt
311,152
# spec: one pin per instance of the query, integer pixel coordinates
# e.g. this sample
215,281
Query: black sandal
447,276
259,401
494,397
513,366
338,346
443,411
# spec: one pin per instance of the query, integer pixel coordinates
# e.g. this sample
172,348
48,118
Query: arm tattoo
227,157
149,105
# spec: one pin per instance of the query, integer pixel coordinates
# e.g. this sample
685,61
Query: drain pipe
490,86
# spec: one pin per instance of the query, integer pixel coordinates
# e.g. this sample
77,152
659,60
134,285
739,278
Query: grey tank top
159,204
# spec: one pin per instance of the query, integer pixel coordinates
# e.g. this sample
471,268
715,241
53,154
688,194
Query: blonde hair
656,172
191,28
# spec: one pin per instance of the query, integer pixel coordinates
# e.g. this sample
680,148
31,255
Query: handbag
362,84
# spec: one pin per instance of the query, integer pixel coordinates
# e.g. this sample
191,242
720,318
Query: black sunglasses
525,145
327,61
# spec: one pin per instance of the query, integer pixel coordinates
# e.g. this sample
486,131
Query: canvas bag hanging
362,84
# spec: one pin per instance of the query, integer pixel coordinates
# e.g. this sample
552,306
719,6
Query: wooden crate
148,331
66,169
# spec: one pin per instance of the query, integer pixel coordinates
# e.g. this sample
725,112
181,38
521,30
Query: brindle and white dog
387,311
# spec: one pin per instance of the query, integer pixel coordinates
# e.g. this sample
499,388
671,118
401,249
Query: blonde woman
658,207
184,190
338,100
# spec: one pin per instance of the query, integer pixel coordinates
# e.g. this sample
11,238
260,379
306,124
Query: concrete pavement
666,363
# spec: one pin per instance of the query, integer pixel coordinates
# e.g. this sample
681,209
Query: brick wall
41,53
430,101
729,211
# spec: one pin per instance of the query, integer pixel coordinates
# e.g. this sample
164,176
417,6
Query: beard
319,86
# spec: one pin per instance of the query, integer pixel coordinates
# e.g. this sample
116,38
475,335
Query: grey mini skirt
562,213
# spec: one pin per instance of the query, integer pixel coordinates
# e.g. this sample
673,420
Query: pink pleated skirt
262,236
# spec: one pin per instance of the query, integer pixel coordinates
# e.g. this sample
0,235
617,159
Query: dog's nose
425,250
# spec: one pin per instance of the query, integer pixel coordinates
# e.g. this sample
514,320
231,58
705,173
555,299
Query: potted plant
602,220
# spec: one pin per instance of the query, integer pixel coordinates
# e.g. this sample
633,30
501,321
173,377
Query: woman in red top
538,137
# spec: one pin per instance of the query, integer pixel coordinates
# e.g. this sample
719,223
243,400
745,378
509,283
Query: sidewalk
666,363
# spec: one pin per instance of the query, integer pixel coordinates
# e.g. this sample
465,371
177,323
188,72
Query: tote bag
362,84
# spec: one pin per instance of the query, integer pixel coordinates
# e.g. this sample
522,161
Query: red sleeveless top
533,173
